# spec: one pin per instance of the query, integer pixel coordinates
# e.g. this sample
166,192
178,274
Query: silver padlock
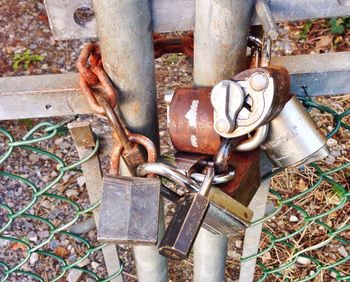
293,138
129,210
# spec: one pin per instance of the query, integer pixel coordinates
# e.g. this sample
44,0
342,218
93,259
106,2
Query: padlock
129,211
182,230
252,99
293,138
225,215
193,127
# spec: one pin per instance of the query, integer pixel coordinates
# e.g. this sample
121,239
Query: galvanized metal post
221,31
124,28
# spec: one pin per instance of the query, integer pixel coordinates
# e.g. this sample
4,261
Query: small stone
44,67
61,61
293,218
333,275
45,178
33,46
33,157
95,265
46,204
81,181
330,160
65,145
43,234
336,153
40,6
53,174
32,236
303,260
343,252
233,254
331,142
34,257
312,273
4,243
9,50
239,244
74,275
72,193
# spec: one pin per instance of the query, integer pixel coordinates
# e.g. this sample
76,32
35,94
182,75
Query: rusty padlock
200,117
182,231
130,205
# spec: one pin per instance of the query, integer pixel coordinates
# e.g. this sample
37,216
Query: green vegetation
339,25
25,59
305,31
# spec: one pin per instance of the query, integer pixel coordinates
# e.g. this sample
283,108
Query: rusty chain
92,73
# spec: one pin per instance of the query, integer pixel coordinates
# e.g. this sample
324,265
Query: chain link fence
287,253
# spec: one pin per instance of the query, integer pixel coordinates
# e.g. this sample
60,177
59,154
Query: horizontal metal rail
59,94
178,15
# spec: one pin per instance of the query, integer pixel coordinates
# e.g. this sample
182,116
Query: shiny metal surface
255,141
293,138
266,91
225,214
264,13
218,179
185,224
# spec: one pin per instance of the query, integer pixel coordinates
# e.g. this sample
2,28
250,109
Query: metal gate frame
123,27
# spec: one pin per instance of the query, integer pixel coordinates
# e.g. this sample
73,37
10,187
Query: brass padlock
183,229
225,214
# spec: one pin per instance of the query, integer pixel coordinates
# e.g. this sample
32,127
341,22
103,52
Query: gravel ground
24,26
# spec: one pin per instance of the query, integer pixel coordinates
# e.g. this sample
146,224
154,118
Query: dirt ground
25,28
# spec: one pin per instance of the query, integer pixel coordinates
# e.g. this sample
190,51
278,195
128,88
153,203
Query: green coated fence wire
270,269
11,272
277,269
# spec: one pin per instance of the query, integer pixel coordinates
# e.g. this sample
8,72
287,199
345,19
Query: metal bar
125,33
220,45
220,39
177,15
323,74
41,96
82,134
252,234
59,94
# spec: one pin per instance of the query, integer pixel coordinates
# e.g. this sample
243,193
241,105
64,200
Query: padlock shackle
207,182
169,173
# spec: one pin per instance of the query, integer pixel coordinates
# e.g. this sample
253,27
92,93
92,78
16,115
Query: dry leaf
324,42
19,246
62,252
302,185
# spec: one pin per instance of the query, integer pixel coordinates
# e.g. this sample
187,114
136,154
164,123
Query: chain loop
92,74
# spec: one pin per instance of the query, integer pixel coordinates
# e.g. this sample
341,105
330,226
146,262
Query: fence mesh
287,253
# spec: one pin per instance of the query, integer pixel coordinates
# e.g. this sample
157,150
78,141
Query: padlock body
183,229
190,123
293,138
129,210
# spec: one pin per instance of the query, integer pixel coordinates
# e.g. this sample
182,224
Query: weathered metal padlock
225,215
182,231
248,102
293,138
129,211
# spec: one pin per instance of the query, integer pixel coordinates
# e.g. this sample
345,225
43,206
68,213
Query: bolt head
222,126
259,81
